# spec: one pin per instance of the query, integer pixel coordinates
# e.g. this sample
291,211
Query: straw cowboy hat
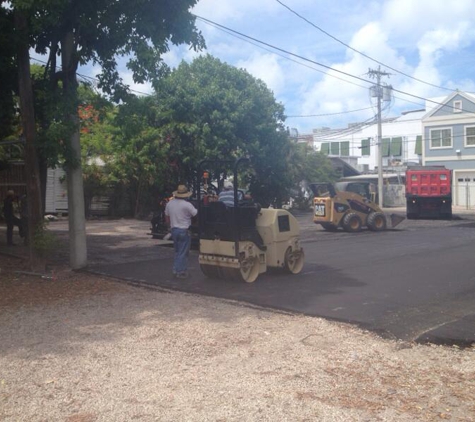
182,192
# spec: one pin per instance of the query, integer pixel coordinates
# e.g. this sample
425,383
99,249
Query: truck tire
329,227
376,222
446,216
351,222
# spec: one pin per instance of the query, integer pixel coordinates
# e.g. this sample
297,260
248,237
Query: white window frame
457,106
466,137
441,146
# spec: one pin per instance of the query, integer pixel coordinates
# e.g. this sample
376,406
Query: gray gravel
98,350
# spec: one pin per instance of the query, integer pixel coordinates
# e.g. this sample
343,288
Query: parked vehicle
429,192
334,208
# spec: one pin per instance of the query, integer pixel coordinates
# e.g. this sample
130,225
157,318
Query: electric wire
88,78
229,30
319,64
331,114
357,51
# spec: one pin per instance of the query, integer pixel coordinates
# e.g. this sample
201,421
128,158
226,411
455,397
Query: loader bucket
396,220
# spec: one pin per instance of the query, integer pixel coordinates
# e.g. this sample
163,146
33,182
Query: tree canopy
83,31
209,109
8,75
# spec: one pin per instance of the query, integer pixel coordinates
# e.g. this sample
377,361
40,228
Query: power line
332,114
243,38
229,30
90,78
283,51
317,63
357,51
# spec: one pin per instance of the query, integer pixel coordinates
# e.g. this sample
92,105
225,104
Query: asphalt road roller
242,241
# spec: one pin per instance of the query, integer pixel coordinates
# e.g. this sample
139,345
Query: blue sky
431,40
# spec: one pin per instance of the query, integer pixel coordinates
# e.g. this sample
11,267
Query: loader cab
323,190
364,189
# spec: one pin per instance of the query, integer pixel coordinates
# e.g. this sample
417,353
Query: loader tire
376,222
329,227
351,223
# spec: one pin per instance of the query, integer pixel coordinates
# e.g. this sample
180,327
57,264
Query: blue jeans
181,241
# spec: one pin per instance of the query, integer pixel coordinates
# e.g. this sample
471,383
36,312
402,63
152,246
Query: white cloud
226,10
413,37
428,39
267,68
138,89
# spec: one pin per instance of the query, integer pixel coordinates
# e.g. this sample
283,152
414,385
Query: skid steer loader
335,208
242,241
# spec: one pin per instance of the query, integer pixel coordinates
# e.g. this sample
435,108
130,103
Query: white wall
407,126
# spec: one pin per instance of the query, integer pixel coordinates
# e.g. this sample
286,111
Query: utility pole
377,90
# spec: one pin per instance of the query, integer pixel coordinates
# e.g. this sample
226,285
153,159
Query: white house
357,144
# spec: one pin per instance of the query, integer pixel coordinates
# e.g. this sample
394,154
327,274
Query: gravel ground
81,348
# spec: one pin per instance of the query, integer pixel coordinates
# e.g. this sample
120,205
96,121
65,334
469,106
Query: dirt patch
20,286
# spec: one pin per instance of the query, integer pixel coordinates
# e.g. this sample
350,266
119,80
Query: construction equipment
334,208
243,241
429,192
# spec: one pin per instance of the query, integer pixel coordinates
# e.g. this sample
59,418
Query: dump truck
335,208
242,241
429,192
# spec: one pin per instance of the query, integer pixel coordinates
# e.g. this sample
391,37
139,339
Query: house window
365,146
345,149
385,145
441,138
470,136
395,149
334,148
418,149
458,106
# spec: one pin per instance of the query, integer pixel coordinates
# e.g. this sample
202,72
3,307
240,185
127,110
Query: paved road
413,283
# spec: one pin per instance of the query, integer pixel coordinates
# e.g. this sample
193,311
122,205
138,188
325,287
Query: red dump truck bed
428,182
429,192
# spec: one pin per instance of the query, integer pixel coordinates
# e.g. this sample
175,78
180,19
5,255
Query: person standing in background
10,207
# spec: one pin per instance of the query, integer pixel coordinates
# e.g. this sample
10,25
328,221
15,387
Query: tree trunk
29,130
77,219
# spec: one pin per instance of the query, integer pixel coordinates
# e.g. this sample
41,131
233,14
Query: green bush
43,242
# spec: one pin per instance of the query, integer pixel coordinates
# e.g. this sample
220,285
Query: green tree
307,166
139,166
310,166
98,31
209,109
8,75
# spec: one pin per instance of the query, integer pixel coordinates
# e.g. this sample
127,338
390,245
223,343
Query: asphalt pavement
414,283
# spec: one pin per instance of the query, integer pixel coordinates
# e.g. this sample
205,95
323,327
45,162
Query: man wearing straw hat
178,214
